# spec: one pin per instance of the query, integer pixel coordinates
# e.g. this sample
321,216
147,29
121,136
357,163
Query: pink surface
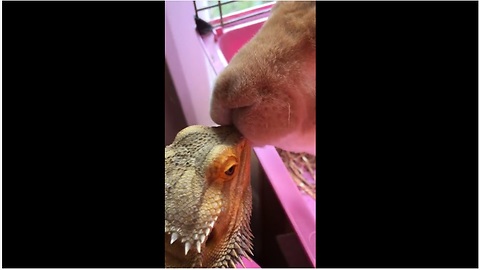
300,208
230,42
248,264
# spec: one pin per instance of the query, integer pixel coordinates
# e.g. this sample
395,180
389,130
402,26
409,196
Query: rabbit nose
221,114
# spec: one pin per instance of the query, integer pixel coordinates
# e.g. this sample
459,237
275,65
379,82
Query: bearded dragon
208,198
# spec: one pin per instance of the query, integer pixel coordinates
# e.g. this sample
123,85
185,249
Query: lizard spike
244,245
173,237
241,253
187,247
241,262
244,238
211,224
234,253
202,238
195,236
198,246
248,232
237,247
232,264
248,257
248,250
207,231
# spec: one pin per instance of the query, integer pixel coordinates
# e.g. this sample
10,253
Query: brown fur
268,89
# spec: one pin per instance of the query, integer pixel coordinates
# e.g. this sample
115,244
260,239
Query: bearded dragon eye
230,170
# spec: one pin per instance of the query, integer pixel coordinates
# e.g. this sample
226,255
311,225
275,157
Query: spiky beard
231,247
239,243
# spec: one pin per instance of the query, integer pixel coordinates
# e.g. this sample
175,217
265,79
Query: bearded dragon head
207,198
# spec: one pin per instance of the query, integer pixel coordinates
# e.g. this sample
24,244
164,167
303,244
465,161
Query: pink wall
230,42
174,118
191,72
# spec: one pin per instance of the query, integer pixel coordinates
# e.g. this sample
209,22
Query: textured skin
208,198
268,90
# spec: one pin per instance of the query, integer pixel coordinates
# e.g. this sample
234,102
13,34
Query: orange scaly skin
208,198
